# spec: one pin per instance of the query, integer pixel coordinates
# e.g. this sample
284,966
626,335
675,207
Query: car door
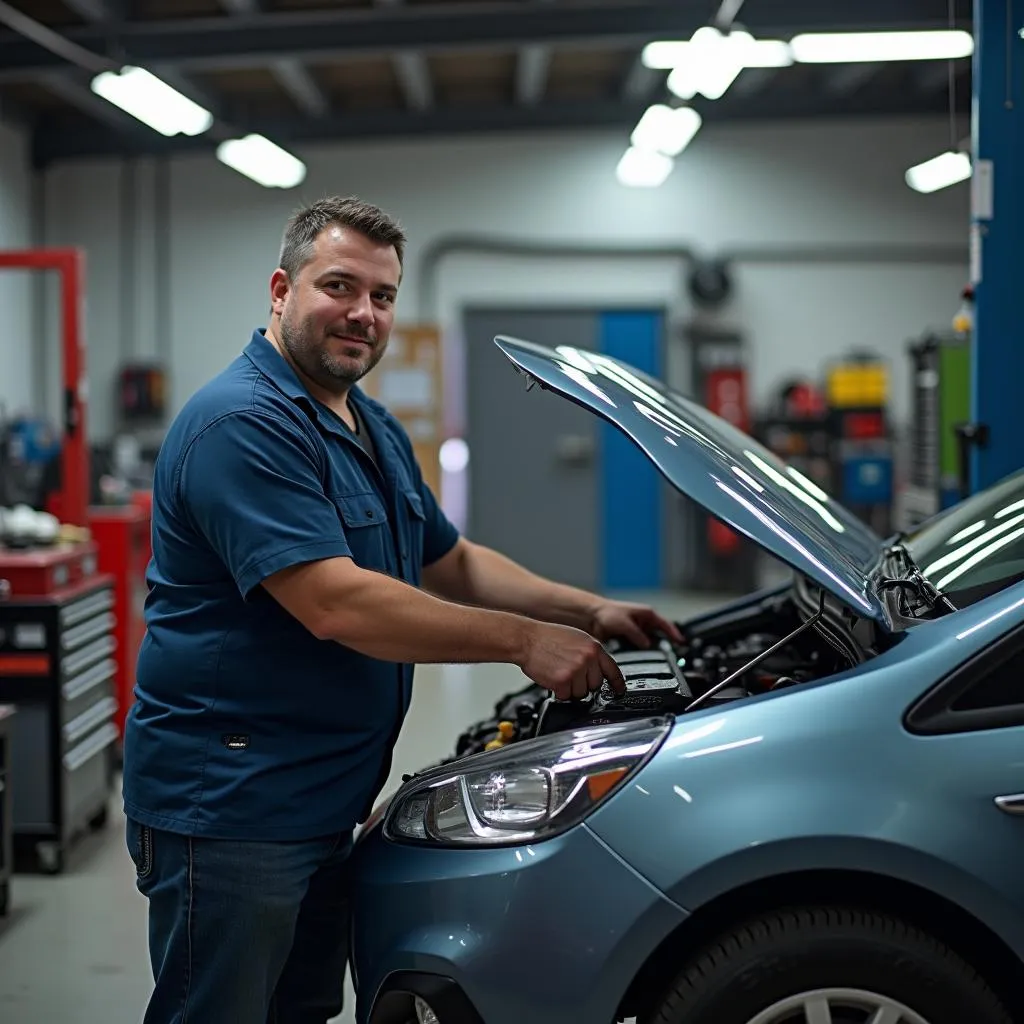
974,722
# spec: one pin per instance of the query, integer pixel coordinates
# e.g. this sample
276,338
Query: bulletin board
408,381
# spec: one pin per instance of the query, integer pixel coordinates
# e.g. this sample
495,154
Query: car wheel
824,965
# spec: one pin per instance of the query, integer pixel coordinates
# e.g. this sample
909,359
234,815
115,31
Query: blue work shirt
245,725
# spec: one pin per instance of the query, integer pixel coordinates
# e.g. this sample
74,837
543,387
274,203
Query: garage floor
73,949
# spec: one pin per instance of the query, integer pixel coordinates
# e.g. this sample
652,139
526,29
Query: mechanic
300,568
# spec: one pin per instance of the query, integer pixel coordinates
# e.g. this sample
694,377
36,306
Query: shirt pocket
416,518
364,518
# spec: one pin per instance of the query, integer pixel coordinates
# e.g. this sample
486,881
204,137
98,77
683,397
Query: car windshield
977,547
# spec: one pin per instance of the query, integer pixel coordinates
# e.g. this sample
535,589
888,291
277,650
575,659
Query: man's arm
385,618
478,575
250,484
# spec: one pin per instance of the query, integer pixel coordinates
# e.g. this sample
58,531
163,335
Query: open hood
727,472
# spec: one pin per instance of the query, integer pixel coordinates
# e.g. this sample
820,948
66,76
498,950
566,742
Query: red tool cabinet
57,664
121,534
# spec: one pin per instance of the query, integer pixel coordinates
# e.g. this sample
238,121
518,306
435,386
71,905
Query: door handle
1011,804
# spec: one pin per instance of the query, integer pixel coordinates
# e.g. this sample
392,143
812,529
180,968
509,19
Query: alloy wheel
838,1006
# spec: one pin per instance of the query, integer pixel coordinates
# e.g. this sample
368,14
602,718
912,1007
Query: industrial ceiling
302,71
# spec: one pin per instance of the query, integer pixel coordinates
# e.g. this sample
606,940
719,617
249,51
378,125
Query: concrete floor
73,949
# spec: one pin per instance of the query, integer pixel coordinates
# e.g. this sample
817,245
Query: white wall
16,287
766,186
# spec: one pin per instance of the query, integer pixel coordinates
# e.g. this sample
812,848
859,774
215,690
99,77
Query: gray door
533,488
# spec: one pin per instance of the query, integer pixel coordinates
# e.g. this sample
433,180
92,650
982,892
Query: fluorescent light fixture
855,47
663,129
665,54
262,160
643,168
766,53
711,65
939,172
155,103
712,61
669,54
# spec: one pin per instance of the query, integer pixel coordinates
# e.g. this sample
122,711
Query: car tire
762,966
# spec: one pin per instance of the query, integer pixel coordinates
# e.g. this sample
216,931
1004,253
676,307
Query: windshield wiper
913,579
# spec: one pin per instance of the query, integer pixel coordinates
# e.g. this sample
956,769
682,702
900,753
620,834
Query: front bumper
553,933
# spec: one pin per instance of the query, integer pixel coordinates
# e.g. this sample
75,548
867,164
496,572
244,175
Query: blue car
810,812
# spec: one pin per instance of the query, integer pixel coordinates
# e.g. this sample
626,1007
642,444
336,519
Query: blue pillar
631,519
997,239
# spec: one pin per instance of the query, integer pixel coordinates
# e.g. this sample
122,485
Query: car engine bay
770,642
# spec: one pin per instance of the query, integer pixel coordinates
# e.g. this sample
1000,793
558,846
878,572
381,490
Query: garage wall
195,301
16,287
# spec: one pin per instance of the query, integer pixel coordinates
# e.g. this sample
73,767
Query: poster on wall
408,381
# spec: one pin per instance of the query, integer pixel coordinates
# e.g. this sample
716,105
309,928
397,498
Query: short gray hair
305,226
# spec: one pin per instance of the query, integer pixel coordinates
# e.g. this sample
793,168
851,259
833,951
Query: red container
122,535
41,572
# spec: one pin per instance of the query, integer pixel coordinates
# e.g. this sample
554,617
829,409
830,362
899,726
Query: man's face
336,317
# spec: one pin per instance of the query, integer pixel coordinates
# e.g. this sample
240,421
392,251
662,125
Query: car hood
721,468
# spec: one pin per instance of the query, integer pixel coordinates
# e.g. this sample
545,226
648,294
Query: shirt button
369,513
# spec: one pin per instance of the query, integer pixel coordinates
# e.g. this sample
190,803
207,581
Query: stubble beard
308,348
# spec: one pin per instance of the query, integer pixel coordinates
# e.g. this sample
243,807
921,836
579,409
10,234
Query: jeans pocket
140,848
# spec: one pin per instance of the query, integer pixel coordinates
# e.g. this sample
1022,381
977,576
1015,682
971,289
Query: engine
736,654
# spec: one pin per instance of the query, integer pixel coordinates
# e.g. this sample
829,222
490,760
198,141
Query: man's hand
633,622
568,661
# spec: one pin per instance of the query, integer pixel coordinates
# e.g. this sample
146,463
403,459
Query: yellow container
857,384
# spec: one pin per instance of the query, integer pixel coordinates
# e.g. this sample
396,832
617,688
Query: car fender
782,789
767,864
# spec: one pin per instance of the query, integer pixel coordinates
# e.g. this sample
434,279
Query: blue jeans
243,932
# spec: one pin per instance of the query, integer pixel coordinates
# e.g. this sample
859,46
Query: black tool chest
57,667
6,824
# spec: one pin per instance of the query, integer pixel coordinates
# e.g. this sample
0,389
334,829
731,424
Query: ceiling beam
72,86
289,72
242,6
97,10
55,140
533,63
640,81
412,71
413,76
294,77
252,40
532,66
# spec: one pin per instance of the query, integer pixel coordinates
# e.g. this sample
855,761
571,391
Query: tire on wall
834,965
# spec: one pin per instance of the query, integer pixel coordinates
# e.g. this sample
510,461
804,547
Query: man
300,569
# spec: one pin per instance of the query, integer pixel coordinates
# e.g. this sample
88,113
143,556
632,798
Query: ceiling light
144,96
766,53
262,160
939,172
854,47
712,61
663,129
643,168
664,55
669,54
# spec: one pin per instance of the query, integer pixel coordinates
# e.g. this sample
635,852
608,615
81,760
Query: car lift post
997,232
69,263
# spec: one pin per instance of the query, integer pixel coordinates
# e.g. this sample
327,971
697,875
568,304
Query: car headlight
524,792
